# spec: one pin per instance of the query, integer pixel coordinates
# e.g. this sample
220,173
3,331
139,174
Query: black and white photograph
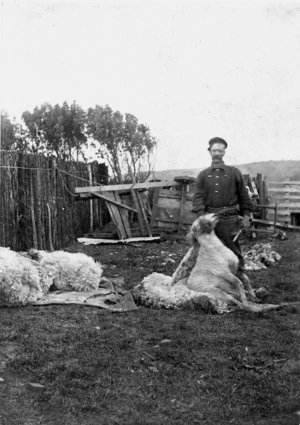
149,212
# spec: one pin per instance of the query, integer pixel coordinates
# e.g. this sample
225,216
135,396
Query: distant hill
275,170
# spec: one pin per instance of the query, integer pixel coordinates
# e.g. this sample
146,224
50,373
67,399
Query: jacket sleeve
199,195
245,203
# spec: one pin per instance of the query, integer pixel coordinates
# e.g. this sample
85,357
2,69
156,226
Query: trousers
226,229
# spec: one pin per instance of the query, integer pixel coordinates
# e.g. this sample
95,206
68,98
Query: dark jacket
221,186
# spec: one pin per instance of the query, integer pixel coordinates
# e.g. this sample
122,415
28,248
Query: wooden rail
125,187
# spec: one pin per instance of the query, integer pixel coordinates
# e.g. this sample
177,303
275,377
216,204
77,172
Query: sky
189,70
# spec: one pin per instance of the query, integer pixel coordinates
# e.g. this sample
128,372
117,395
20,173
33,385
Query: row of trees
71,133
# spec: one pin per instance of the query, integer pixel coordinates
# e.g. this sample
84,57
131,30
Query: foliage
7,132
67,131
13,136
58,130
123,142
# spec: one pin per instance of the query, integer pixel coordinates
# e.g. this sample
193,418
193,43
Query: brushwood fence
37,200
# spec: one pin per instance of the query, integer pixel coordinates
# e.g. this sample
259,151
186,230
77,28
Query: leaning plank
119,216
139,214
124,187
142,218
144,215
115,202
94,241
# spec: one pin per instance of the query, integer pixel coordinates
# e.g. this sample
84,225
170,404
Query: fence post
54,202
33,223
91,201
266,197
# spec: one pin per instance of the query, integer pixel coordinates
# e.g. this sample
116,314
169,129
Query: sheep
207,276
19,279
26,277
202,248
157,291
66,271
216,268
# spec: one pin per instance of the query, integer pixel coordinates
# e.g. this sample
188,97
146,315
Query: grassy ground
153,366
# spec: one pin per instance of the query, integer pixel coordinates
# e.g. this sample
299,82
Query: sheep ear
212,219
215,219
191,239
34,254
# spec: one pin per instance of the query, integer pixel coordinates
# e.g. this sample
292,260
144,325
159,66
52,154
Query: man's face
217,151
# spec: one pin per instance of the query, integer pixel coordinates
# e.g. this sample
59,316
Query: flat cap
217,140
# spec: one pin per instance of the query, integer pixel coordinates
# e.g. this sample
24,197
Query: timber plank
142,218
143,212
124,215
154,205
118,215
288,189
286,182
126,187
139,213
278,225
115,202
291,205
182,206
95,241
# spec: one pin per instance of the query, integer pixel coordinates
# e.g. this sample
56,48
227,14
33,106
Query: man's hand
246,223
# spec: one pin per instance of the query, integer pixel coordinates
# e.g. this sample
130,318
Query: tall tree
124,143
106,127
58,130
138,146
13,136
74,129
8,137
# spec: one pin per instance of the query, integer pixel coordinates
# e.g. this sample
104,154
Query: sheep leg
247,285
237,284
181,282
261,308
254,308
246,305
186,265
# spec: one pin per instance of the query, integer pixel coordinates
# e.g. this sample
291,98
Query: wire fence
38,205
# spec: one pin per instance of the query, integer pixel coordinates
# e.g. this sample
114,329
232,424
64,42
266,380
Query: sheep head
34,254
204,224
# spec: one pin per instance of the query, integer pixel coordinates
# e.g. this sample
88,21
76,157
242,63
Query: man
220,189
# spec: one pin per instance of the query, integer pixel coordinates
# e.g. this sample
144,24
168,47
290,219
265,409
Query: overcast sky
190,70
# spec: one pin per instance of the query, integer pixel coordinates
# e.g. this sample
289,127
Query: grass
153,366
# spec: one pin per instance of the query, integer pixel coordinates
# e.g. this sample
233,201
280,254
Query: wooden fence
166,204
37,200
286,195
277,202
